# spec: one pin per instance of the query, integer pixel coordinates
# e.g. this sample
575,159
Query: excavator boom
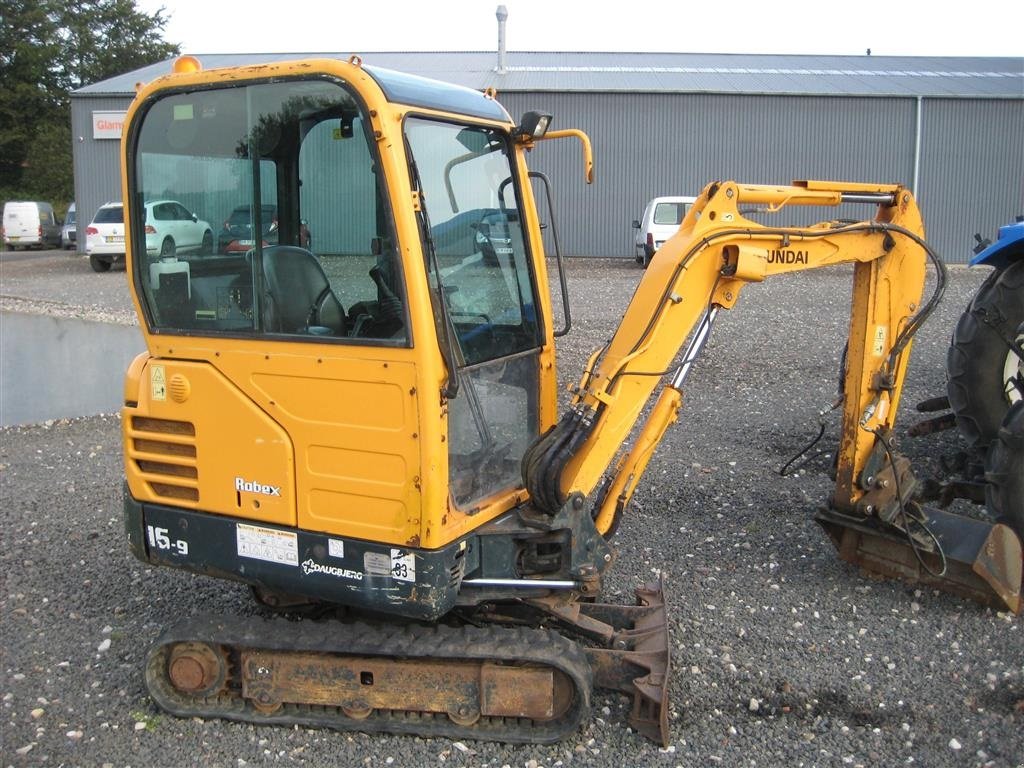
872,516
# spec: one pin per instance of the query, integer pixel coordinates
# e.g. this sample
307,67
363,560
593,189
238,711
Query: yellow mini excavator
348,398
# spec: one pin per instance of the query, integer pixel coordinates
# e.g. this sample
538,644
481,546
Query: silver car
68,233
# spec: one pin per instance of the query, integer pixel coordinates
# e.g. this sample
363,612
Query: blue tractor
985,374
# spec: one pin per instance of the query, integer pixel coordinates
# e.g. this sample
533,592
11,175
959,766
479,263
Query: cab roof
419,91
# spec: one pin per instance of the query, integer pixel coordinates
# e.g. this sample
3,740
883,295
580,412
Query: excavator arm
701,271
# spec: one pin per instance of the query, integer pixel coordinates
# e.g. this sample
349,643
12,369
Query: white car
104,237
170,229
660,221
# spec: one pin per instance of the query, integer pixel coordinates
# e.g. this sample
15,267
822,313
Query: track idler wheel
196,669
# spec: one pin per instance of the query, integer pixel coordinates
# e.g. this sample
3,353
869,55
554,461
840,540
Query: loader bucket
638,662
973,559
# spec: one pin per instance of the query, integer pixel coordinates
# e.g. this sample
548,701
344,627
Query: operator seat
299,295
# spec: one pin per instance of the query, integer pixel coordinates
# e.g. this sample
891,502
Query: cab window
484,295
476,246
278,222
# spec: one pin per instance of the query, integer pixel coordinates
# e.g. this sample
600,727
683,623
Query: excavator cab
310,331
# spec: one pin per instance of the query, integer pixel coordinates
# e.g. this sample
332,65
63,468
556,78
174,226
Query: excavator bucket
967,557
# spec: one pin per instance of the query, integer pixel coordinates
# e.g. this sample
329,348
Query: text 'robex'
266,490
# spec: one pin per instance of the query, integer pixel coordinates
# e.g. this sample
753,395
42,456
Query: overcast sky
910,28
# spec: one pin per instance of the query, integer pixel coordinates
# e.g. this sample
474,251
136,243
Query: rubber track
538,646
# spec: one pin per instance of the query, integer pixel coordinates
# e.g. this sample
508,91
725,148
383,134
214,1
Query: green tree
31,93
103,38
48,48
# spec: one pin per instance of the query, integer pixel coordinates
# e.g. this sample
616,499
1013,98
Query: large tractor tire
980,365
1004,471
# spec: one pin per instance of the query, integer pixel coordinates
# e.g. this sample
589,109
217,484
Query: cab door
489,319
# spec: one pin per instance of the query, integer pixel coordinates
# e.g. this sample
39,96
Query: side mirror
636,224
195,218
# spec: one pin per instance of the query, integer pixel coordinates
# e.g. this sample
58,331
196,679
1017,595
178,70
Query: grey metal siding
972,171
97,162
647,145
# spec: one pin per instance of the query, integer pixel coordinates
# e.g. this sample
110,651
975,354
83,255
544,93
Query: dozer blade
968,557
637,664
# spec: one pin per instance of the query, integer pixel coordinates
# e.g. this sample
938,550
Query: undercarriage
525,683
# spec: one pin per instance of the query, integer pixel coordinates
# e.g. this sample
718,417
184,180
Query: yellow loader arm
702,270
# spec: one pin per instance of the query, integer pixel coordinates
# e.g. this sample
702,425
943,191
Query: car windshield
111,215
70,218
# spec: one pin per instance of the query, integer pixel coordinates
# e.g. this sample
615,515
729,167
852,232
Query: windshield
281,227
466,186
478,261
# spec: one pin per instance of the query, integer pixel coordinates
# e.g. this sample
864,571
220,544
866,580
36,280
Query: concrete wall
55,367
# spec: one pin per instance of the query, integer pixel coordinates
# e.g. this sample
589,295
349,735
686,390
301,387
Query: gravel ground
62,283
782,654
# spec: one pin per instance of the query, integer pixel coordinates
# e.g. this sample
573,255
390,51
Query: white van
661,219
30,225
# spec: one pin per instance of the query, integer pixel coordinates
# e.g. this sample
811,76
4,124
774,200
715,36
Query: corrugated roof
928,76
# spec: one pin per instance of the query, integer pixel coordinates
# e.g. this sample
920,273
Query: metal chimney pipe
502,14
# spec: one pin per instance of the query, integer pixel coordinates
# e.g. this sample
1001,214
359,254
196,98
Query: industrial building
952,129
